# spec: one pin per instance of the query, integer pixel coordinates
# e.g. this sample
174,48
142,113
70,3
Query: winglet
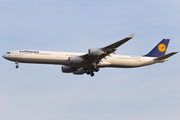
131,36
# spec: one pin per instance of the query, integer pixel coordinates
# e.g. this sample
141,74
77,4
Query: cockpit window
8,53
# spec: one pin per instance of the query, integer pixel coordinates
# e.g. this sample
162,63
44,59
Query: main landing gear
17,66
91,71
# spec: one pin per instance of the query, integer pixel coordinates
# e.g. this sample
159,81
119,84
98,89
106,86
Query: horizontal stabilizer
165,56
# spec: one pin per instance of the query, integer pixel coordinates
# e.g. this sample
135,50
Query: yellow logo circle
161,47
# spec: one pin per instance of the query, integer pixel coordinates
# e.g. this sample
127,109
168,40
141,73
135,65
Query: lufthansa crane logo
161,47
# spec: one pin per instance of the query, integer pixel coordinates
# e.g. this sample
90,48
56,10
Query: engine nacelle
75,60
80,71
96,52
67,69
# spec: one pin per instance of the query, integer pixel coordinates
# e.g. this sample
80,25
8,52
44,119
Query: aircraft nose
4,56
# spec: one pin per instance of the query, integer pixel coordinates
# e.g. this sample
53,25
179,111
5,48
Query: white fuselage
61,58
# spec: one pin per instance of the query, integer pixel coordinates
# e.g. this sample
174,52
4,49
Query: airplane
96,58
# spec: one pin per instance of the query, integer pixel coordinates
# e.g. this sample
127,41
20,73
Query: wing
95,55
117,44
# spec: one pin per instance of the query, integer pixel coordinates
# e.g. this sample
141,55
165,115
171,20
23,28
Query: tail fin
160,49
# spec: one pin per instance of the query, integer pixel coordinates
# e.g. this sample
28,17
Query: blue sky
43,92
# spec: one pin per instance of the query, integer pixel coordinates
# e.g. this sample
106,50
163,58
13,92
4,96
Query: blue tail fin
160,49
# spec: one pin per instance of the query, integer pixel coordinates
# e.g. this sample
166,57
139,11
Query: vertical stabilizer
159,50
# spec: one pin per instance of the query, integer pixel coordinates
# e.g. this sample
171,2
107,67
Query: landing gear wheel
17,66
92,74
88,73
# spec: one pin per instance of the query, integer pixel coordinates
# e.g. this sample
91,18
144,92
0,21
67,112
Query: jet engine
80,71
75,60
96,52
67,69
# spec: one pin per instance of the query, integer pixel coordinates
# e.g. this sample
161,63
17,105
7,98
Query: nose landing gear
17,66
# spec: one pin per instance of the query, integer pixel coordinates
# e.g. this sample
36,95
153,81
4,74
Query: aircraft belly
131,62
126,63
39,60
